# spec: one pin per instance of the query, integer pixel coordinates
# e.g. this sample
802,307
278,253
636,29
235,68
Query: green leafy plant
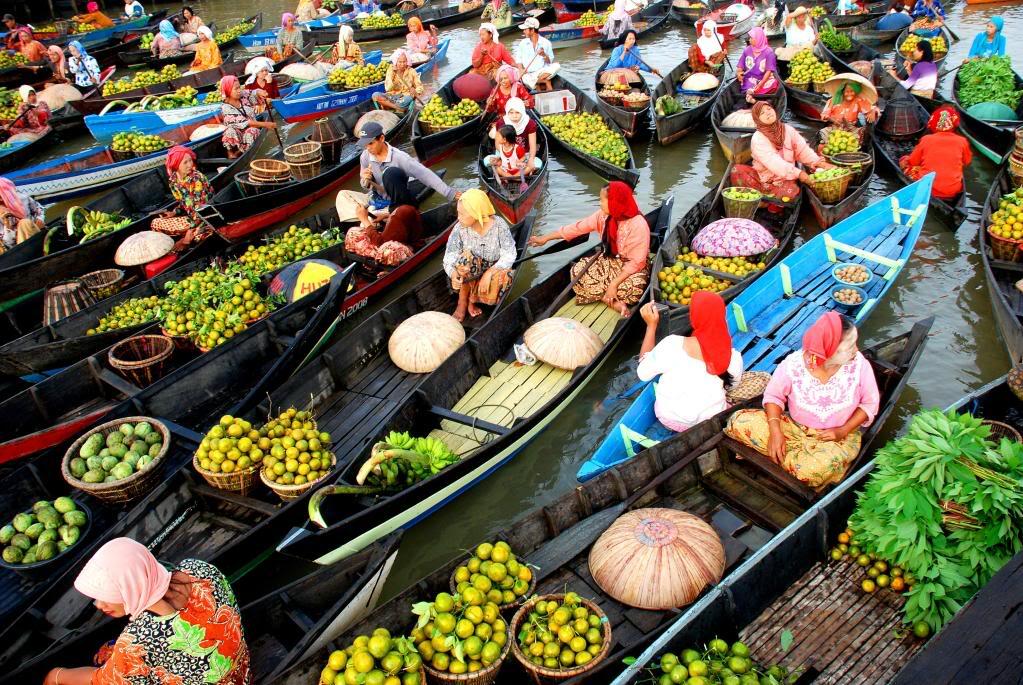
988,80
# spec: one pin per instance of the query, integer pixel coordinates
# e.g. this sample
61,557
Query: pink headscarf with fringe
9,196
124,572
227,84
512,72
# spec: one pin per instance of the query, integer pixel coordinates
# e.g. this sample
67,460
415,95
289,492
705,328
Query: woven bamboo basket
181,342
1005,249
429,128
103,283
292,492
636,105
550,675
860,163
833,189
130,488
142,359
303,171
64,299
303,152
1016,166
236,481
330,138
453,584
1001,430
741,209
798,85
174,226
484,676
122,155
269,171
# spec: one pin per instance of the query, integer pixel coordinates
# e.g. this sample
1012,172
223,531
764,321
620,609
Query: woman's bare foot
474,311
459,314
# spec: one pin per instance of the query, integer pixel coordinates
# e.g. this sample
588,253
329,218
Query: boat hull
735,142
1000,289
669,129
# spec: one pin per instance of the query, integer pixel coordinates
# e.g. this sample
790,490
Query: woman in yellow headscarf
207,52
479,254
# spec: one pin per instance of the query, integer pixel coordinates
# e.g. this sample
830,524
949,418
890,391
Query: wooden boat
14,155
106,52
236,213
671,128
33,73
782,225
566,33
67,119
555,540
735,141
633,123
645,22
202,81
98,168
685,12
938,62
1001,276
890,150
121,25
545,16
519,402
146,60
996,135
315,99
829,214
432,146
729,25
868,33
842,62
584,103
514,204
843,21
438,16
257,40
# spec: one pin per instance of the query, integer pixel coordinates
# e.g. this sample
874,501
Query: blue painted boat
315,99
767,320
263,39
98,35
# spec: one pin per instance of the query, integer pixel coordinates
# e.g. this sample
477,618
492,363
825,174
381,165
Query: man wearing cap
14,30
535,56
377,156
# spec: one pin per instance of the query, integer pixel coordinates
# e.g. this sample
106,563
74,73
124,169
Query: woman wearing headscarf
133,9
695,370
30,48
361,7
166,43
94,17
163,606
778,149
923,74
260,72
207,52
390,234
401,84
489,53
479,254
83,65
524,126
31,121
497,12
800,34
620,19
190,189
618,275
306,11
757,68
420,43
626,55
21,217
238,114
991,43
846,106
289,39
346,52
929,9
190,21
829,390
508,87
707,54
942,151
58,62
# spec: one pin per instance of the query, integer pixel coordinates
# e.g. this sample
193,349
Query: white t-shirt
796,36
686,393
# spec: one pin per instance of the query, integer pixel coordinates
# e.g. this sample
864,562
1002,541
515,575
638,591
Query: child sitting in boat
524,127
510,159
830,392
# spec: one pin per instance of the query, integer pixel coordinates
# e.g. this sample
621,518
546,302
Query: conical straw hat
832,84
564,343
422,342
142,248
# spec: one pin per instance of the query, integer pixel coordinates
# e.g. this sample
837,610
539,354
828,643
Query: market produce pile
123,452
822,175
852,273
879,574
938,45
848,296
139,143
835,40
91,224
375,658
591,18
186,96
717,663
805,67
679,281
561,635
10,101
667,105
141,79
133,312
291,448
945,503
147,41
400,461
588,132
8,60
841,141
494,569
817,11
459,634
437,113
358,76
1007,220
742,194
988,80
294,244
212,306
213,96
43,532
381,20
233,32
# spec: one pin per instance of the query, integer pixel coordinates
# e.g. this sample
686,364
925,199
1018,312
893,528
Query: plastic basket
551,675
555,102
293,492
741,209
833,189
1005,249
842,265
428,128
127,489
636,105
842,306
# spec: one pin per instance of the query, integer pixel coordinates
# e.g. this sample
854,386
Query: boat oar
649,68
559,247
955,36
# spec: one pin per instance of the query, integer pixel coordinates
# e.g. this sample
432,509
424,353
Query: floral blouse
86,71
818,405
202,644
238,117
496,246
191,193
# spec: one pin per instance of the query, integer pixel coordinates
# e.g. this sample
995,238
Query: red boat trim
49,437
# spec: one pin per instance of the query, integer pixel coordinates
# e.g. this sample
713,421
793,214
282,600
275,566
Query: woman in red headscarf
829,390
191,189
239,115
695,371
618,276
942,151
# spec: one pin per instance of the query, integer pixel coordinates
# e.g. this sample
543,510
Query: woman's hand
775,441
824,164
462,270
804,177
635,68
540,240
650,314
832,434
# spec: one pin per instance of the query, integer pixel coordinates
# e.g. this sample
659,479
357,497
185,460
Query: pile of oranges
1007,221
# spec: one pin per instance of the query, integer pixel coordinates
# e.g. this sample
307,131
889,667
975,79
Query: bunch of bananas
92,224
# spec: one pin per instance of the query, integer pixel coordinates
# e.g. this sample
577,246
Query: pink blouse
420,42
771,163
824,405
633,238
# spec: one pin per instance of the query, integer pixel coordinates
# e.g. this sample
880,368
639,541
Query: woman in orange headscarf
420,43
830,392
617,276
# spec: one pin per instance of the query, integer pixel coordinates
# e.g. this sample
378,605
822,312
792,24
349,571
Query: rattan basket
833,189
236,481
549,675
181,342
741,209
292,492
503,607
751,384
1016,167
122,155
269,171
859,163
428,128
636,105
303,152
103,283
142,359
1001,430
798,85
303,171
1005,249
130,488
484,676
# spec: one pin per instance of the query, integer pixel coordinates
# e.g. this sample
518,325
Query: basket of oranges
1005,233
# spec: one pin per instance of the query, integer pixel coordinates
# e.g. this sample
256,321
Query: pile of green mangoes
380,20
298,242
359,76
805,67
133,312
139,143
129,449
841,141
141,79
42,533
233,32
8,60
591,18
437,113
147,41
588,132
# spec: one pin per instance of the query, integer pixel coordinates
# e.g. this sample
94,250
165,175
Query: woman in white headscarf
207,52
33,114
708,53
260,71
490,53
346,52
620,20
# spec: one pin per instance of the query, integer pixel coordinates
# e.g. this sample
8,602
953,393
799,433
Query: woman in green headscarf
851,96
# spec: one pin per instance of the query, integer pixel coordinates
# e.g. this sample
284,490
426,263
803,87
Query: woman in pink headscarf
55,55
95,17
289,39
830,392
21,217
238,113
757,68
163,608
508,87
191,189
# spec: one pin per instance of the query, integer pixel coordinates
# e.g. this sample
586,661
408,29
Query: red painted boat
54,435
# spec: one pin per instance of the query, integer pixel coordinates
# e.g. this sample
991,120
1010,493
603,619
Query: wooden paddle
559,247
650,68
7,129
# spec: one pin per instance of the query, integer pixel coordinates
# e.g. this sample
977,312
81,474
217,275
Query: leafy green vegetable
988,80
946,504
838,42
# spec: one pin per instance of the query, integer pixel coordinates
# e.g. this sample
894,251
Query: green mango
143,428
94,476
76,518
48,535
6,533
22,541
64,504
114,438
94,463
122,471
110,462
13,555
46,551
23,521
49,515
35,530
70,535
78,467
126,429
117,452
155,450
153,437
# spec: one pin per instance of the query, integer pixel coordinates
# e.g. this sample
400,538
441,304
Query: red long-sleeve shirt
946,154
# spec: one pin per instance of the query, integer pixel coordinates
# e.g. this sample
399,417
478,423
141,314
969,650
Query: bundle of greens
401,461
945,503
835,41
988,80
